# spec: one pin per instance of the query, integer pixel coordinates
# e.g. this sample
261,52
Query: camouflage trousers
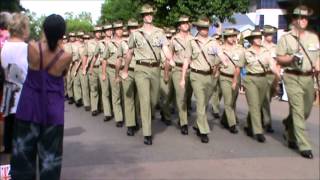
32,140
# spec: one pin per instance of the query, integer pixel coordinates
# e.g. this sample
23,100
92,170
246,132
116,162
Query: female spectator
15,65
40,114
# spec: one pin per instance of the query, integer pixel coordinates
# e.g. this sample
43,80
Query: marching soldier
257,60
75,75
298,51
83,77
93,68
109,59
179,44
131,101
268,32
104,81
146,43
166,92
231,55
201,56
68,48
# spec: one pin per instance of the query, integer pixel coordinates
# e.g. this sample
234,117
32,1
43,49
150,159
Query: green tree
119,9
80,22
35,24
10,5
169,10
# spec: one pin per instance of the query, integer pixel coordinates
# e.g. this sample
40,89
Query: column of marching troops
129,71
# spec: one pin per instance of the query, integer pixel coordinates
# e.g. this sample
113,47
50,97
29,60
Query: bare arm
128,59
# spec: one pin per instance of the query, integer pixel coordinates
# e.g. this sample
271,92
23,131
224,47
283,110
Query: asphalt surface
97,150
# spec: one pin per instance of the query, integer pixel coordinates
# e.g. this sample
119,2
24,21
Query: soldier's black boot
184,130
107,118
71,100
269,129
204,138
87,108
119,124
260,138
233,129
147,140
94,113
307,154
130,131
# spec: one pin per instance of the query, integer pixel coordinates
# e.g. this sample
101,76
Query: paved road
96,150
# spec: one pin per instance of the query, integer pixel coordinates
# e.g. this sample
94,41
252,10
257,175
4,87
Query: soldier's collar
207,40
262,49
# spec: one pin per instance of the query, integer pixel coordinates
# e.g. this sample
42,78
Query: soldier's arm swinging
185,66
128,59
84,64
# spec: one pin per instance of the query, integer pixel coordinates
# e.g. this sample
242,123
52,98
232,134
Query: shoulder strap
154,54
179,43
203,54
304,50
54,59
115,44
264,69
229,58
41,56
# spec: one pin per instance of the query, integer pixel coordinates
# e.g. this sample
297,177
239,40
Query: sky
47,7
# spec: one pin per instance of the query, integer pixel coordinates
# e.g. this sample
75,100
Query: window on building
283,24
267,4
261,21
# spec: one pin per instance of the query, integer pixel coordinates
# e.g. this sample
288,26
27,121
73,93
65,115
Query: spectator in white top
15,64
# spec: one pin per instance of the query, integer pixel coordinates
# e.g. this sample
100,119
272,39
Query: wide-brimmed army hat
97,28
107,26
117,24
267,29
80,34
72,34
172,30
86,36
255,33
147,9
133,23
203,22
230,32
183,19
302,10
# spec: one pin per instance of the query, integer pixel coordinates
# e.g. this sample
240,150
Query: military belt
149,64
299,73
179,64
257,74
226,75
201,72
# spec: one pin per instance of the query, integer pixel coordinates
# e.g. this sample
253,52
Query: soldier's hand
182,84
172,63
103,77
84,72
124,75
117,79
234,85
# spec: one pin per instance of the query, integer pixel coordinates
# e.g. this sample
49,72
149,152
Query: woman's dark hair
54,28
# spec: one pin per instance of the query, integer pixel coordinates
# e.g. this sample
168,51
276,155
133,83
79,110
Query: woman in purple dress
39,122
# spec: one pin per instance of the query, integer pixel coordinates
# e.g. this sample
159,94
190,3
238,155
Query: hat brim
147,12
117,27
253,36
200,25
231,34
